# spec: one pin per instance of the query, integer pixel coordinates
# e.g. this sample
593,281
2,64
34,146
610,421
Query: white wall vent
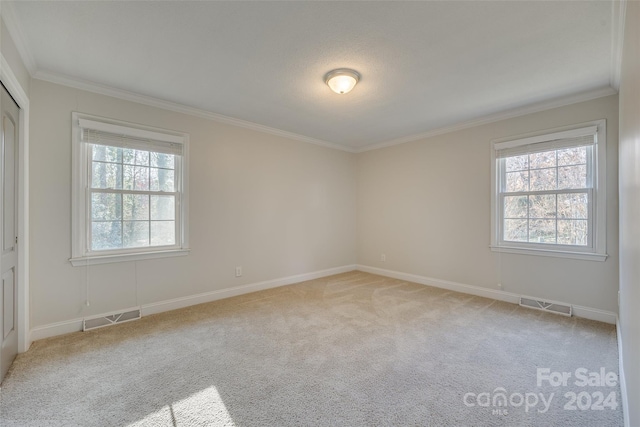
112,318
551,307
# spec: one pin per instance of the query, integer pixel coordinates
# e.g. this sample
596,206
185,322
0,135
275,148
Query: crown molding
618,13
491,118
11,21
179,108
10,81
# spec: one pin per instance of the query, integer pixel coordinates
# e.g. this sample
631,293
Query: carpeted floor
353,349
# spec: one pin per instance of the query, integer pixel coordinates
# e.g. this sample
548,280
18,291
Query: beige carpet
353,349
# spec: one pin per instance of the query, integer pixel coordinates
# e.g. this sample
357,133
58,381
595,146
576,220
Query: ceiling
424,65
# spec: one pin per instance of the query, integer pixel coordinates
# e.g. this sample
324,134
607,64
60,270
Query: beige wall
630,209
426,206
280,208
275,206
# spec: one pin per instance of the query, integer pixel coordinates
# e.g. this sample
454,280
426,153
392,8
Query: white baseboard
595,314
444,284
54,329
158,307
75,325
623,383
578,311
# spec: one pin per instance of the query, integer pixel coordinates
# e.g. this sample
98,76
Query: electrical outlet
499,285
383,257
238,271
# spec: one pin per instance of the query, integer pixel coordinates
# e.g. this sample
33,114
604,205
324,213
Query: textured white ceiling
424,65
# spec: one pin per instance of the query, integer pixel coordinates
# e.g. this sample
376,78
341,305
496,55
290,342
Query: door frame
18,93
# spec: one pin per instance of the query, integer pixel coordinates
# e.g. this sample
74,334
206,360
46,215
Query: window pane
575,205
161,180
517,163
135,234
128,174
160,160
141,178
142,158
128,156
546,159
106,206
106,235
516,206
515,230
136,178
163,233
572,232
543,206
107,154
572,177
542,231
543,179
135,207
517,181
572,156
106,175
163,207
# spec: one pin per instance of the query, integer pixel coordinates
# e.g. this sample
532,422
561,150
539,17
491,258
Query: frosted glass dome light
342,80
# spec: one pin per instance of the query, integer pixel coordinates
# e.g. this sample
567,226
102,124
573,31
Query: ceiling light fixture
342,80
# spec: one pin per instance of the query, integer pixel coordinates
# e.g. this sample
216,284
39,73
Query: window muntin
132,198
546,197
130,192
549,193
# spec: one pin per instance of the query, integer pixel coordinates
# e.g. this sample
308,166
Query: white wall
275,206
426,205
630,209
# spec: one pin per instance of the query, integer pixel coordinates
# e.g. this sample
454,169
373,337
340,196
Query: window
130,192
549,193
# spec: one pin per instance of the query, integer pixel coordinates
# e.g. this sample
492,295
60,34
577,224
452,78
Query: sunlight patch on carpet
203,405
158,418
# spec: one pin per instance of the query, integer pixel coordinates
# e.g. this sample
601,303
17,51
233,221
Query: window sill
107,259
589,256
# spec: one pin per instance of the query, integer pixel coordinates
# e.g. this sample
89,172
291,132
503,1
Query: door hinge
16,240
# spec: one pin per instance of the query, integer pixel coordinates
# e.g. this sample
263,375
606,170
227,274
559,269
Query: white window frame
596,249
81,162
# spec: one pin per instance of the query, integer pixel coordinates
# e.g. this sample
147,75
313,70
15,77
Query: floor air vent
551,307
109,319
